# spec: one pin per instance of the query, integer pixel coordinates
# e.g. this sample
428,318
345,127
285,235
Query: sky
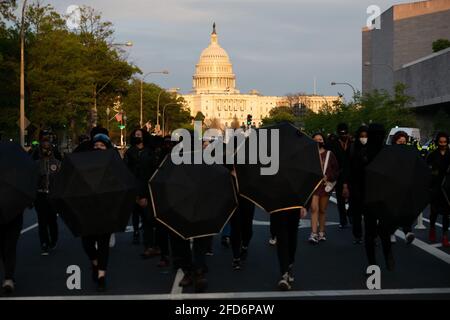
276,47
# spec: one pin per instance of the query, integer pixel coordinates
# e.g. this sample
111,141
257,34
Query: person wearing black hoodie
374,226
358,162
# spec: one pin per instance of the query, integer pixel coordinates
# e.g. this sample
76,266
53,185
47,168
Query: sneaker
445,242
209,253
291,274
322,236
8,287
432,235
273,241
393,238
186,281
284,284
112,241
409,238
136,237
313,238
357,241
101,286
244,253
44,250
236,264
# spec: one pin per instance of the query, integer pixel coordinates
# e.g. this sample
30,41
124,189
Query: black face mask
138,140
321,144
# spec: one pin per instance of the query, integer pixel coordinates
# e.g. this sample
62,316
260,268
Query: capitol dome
214,71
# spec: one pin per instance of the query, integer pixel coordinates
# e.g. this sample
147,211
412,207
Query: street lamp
164,109
347,84
141,124
22,77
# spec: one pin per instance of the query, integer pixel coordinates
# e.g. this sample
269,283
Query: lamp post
22,77
141,123
347,84
163,119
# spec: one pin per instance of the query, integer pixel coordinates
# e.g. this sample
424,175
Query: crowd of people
343,158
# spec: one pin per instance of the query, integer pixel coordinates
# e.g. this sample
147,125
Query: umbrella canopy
397,185
299,172
193,200
446,187
18,181
95,192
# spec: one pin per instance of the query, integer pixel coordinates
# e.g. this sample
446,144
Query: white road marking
176,289
305,223
249,295
29,228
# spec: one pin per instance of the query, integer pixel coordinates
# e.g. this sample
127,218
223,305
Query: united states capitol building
215,94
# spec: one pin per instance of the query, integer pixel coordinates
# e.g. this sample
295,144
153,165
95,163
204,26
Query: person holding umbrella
46,213
439,163
96,247
358,161
321,196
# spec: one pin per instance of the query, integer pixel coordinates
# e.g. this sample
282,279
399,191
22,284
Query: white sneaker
322,236
284,284
112,241
8,286
393,238
273,241
313,238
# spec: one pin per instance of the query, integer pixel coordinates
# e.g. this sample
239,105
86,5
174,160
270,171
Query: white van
412,132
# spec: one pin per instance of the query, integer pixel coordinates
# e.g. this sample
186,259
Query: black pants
341,203
435,210
373,228
101,253
242,226
356,210
189,260
47,220
162,239
9,235
286,227
148,224
272,227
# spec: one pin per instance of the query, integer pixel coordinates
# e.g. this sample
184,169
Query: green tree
441,44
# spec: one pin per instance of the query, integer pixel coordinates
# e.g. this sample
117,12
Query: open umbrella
397,185
446,187
298,175
95,192
18,181
193,200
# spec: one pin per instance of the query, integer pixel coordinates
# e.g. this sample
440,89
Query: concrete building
215,95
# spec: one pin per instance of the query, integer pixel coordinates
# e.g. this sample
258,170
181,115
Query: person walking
358,161
48,166
341,149
439,163
97,246
321,196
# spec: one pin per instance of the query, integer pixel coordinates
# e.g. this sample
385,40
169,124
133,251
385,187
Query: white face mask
363,141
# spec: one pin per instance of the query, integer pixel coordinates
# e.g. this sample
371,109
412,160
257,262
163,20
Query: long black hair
145,137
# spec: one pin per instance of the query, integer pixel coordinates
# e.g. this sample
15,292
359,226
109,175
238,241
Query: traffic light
249,119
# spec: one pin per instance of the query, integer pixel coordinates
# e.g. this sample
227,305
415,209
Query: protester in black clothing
47,218
373,225
9,236
341,149
401,137
358,161
439,162
85,143
96,247
286,230
46,135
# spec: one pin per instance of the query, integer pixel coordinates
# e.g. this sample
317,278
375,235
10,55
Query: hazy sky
276,46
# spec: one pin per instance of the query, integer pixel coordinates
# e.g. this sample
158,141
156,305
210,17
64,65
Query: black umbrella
18,181
95,192
397,185
298,176
193,200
